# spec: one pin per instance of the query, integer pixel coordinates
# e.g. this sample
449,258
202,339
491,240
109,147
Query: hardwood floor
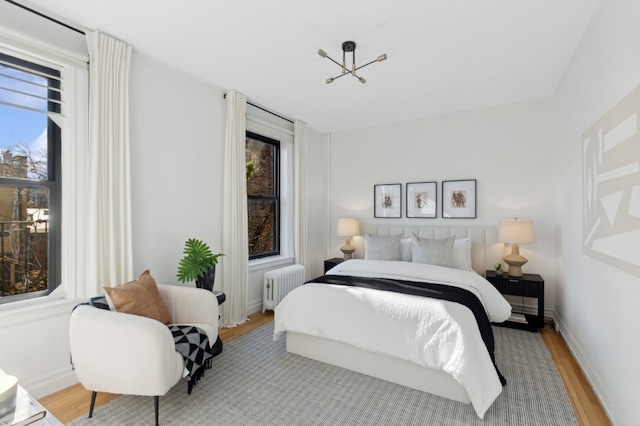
73,402
586,406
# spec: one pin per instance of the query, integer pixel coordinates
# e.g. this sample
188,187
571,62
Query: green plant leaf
197,260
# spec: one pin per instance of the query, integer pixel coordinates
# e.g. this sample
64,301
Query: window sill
43,308
270,262
34,302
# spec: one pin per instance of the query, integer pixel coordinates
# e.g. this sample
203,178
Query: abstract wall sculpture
611,186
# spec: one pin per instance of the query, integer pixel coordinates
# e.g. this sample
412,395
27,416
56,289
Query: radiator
278,283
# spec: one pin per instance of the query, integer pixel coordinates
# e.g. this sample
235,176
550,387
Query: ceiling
444,55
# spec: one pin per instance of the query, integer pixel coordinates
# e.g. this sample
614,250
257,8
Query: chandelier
349,46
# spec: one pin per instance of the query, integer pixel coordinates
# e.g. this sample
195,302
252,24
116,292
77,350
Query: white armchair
129,354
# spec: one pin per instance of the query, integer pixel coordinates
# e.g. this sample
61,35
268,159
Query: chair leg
93,403
157,404
156,400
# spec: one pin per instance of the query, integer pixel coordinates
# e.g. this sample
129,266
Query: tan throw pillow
140,297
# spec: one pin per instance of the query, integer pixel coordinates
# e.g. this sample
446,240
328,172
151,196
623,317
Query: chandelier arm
361,79
341,75
334,61
368,63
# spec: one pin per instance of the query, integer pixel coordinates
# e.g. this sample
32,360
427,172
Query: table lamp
516,232
347,227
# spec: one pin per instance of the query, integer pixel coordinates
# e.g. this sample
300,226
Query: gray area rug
256,382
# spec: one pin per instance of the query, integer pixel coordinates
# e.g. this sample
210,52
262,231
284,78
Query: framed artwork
459,199
387,200
422,199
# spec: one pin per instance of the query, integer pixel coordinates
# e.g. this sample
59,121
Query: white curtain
301,234
235,263
74,188
108,220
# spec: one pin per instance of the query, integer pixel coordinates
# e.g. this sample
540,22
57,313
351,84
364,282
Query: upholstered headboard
485,250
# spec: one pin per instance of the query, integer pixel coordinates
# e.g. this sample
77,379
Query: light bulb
330,80
322,53
382,57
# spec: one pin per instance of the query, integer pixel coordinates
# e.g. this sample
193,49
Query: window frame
53,182
276,197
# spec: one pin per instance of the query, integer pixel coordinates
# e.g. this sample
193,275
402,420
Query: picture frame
459,199
422,200
387,200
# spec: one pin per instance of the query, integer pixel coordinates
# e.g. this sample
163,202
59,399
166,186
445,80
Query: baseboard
51,384
598,386
254,307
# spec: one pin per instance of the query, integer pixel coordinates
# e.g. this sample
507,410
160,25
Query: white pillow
382,247
461,254
405,249
432,251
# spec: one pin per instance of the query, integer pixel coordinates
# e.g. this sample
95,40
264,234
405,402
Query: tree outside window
263,195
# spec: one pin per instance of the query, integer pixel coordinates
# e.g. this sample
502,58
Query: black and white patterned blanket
192,342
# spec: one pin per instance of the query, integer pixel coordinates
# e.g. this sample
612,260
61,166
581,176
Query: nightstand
216,347
529,285
330,263
220,296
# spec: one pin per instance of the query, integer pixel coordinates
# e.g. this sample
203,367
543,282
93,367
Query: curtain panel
74,243
301,234
108,225
235,263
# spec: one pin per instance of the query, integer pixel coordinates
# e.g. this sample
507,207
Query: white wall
506,148
597,303
35,346
177,157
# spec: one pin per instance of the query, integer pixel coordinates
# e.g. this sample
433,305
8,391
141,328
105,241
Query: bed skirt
383,367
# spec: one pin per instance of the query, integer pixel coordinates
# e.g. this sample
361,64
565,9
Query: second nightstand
330,263
529,285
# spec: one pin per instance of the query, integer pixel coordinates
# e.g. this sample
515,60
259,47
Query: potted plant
498,268
198,264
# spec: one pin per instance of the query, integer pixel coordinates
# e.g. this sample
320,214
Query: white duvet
434,333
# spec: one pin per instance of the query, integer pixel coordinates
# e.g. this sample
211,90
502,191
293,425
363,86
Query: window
30,99
263,195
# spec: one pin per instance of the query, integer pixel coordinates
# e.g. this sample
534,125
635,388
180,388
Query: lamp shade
347,227
516,231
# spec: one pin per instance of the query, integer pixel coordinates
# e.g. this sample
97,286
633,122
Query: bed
432,345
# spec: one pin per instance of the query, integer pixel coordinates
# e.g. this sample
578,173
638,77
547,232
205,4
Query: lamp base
514,271
515,261
348,251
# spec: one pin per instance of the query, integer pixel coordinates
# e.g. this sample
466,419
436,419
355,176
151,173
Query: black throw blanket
435,291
